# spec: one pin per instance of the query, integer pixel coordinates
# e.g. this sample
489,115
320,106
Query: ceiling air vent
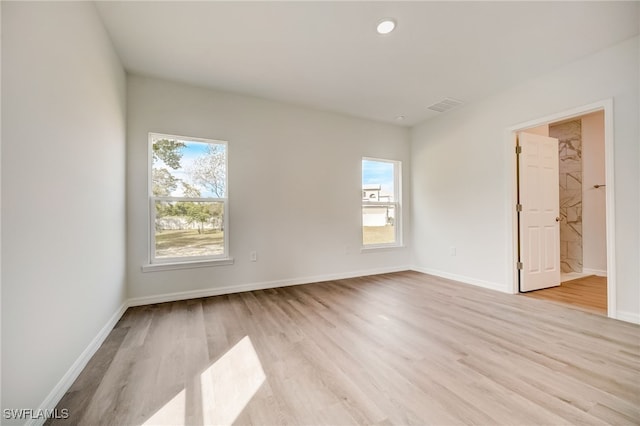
445,105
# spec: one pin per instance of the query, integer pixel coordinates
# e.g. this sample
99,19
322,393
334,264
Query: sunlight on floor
230,383
171,413
227,387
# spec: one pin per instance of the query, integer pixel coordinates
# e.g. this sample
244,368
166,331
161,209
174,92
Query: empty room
320,213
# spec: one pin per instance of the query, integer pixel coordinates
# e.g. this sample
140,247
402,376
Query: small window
381,218
188,199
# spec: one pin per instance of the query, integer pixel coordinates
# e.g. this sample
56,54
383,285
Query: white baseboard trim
598,272
632,317
207,292
466,280
54,397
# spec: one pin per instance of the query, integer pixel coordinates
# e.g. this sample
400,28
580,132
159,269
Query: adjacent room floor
402,348
588,293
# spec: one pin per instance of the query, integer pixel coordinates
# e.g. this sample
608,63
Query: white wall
294,187
461,183
63,192
594,232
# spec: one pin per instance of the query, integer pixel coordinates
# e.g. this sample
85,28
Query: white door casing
539,227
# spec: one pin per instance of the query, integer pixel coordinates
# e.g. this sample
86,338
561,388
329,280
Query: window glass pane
189,228
379,186
378,224
378,181
184,168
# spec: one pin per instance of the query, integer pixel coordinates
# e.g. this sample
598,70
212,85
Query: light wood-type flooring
401,348
588,293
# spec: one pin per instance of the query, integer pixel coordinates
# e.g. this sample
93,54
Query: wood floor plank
401,348
587,293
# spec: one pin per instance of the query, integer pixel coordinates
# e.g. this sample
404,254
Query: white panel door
539,219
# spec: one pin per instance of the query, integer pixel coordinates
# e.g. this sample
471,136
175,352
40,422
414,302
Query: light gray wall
461,182
63,192
294,186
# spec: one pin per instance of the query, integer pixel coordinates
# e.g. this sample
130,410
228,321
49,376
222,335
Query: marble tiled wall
569,135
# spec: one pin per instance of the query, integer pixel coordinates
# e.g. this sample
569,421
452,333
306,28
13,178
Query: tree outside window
188,199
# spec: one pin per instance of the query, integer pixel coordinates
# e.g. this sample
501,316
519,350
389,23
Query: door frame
510,136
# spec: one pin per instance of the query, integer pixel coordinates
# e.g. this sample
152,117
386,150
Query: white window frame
397,191
190,261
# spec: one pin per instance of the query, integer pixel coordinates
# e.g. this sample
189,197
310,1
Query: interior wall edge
598,272
261,285
63,145
464,279
631,317
56,394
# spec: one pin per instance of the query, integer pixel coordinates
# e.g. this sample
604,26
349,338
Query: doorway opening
585,215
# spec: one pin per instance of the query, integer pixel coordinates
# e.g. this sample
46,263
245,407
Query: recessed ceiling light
385,26
400,117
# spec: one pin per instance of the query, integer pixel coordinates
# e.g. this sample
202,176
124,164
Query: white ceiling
327,55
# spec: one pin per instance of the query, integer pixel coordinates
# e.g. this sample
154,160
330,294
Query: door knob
557,218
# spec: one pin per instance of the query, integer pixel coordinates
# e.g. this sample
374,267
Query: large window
381,218
188,199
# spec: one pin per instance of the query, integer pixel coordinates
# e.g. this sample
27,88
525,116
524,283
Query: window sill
155,267
374,249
